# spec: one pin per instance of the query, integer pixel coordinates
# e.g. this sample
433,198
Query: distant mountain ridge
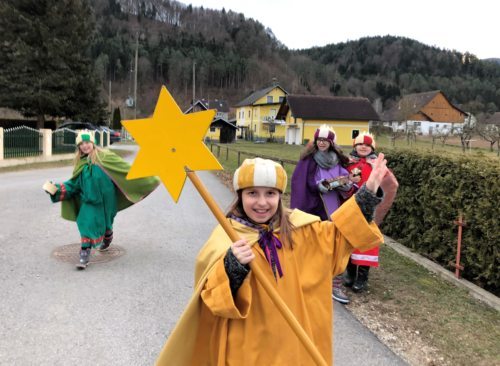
494,59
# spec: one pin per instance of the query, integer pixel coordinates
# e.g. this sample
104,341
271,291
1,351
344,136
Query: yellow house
255,115
301,115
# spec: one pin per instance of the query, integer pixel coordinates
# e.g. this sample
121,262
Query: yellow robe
216,329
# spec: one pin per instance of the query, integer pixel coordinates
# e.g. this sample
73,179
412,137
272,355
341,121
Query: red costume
370,257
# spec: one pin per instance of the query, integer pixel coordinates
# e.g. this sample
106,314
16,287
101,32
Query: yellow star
171,142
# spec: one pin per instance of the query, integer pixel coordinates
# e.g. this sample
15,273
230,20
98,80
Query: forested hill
389,66
235,55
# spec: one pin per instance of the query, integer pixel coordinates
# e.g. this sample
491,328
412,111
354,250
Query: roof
8,113
255,96
221,122
412,104
219,104
328,107
494,119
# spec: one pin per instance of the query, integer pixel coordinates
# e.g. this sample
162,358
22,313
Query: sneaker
84,258
108,238
339,295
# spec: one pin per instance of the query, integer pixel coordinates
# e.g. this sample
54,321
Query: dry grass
425,319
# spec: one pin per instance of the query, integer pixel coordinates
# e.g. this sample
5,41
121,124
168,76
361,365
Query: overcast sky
460,25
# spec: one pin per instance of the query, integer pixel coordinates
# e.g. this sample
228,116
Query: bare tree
411,133
489,133
441,134
466,131
396,134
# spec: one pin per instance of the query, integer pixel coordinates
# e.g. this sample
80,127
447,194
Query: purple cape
305,193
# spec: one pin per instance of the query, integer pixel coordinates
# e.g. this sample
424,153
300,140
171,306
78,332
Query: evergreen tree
117,119
44,52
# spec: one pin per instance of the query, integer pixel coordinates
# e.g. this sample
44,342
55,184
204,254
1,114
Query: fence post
1,143
47,142
227,153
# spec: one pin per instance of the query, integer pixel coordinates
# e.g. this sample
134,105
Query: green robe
96,192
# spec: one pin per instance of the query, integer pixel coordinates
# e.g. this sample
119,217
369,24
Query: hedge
433,189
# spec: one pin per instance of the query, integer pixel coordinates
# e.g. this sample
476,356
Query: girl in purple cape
320,183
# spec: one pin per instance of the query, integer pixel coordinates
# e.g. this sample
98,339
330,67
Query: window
269,98
248,114
354,134
281,99
212,129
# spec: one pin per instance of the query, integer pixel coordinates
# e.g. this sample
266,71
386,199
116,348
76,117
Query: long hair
281,218
92,157
311,148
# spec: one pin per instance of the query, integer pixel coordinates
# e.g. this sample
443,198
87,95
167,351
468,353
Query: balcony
272,120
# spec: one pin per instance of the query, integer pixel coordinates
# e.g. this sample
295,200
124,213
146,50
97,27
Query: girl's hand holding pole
242,251
379,170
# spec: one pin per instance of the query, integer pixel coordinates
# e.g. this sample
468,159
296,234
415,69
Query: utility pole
135,72
109,104
194,83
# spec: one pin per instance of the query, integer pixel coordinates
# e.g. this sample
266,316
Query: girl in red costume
360,168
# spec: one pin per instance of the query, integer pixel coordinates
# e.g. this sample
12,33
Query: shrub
433,189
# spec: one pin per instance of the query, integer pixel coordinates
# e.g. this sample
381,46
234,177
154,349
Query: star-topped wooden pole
171,147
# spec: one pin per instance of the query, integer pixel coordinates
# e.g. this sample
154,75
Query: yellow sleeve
352,224
347,230
216,294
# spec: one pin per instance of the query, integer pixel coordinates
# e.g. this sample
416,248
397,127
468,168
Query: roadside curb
476,291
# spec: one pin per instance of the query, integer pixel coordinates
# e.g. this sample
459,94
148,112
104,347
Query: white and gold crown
260,173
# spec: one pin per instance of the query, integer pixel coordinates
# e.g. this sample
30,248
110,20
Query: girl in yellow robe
230,320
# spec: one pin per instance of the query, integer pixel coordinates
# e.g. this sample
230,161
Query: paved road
120,312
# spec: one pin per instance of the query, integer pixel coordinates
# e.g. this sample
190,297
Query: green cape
128,191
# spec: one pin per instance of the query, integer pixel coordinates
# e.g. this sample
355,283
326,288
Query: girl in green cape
96,191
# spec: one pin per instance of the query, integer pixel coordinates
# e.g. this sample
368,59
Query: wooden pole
135,72
276,299
461,223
